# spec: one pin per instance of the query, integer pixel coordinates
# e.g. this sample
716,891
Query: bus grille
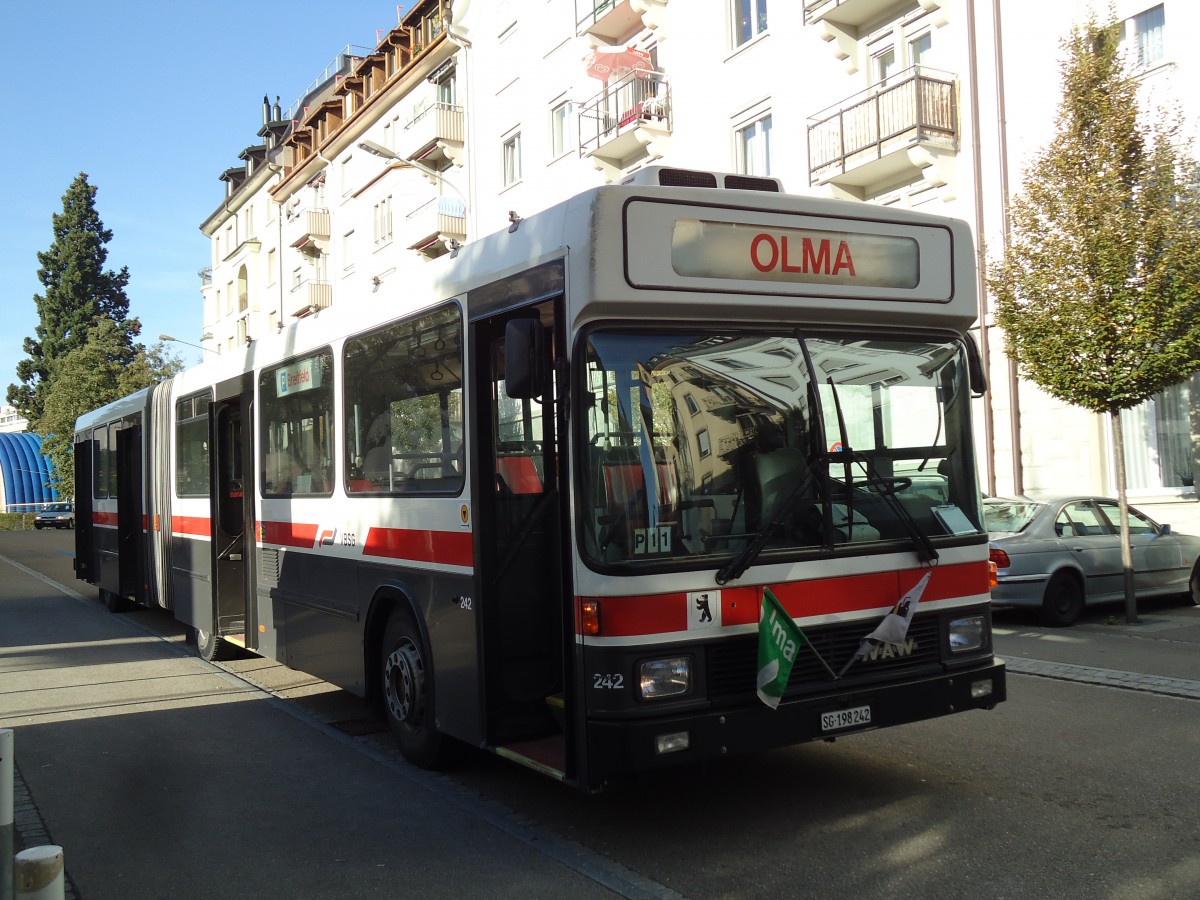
733,665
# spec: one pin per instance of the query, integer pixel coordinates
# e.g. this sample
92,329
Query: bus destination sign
299,376
706,249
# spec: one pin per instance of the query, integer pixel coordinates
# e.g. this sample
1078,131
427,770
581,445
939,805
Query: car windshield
1008,516
58,507
699,444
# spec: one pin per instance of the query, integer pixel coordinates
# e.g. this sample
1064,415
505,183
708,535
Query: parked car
1060,554
55,515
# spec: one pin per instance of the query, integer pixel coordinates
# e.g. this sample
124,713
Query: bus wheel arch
406,688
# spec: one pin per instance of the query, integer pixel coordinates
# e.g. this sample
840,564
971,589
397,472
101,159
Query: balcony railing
309,228
309,296
435,222
435,134
916,107
609,122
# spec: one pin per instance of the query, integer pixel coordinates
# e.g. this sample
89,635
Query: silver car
1059,554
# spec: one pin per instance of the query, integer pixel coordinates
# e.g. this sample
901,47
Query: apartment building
468,115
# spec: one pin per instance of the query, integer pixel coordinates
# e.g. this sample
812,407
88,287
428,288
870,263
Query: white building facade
468,113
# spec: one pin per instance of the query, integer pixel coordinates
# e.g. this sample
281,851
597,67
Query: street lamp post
400,162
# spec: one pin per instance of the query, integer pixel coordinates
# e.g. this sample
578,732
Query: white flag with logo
894,627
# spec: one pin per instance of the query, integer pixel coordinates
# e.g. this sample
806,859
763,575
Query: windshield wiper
885,488
737,566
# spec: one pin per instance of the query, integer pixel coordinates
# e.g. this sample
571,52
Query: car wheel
1193,592
1063,600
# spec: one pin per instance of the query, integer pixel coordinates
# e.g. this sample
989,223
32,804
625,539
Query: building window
560,129
1158,439
272,262
383,221
919,50
512,159
1148,35
749,20
753,148
347,185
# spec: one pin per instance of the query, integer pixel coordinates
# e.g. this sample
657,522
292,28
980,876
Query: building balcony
309,296
307,230
893,131
856,13
431,228
612,21
435,136
627,122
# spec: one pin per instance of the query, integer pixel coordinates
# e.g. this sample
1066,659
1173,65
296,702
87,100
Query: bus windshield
699,445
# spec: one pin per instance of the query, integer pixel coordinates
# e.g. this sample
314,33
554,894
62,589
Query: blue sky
153,102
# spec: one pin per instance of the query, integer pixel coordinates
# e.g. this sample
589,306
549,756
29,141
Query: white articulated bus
532,500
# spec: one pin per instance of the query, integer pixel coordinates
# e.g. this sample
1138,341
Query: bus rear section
110,489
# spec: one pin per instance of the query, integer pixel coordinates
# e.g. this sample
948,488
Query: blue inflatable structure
25,475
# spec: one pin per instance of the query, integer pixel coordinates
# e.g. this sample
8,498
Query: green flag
779,640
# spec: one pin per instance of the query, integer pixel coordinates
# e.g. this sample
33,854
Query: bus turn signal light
589,617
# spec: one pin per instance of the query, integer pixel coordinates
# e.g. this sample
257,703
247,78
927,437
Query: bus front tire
406,676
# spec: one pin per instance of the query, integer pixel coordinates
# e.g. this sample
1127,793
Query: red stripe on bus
199,526
104,518
665,613
451,548
289,534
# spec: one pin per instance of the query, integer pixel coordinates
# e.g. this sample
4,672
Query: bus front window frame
773,410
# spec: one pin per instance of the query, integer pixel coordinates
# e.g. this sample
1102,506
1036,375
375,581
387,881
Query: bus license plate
845,718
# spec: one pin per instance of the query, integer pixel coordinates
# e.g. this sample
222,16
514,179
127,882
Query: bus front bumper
619,748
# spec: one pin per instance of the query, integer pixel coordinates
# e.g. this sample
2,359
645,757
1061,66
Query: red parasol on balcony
606,63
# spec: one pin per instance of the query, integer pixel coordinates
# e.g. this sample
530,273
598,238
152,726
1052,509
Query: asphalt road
250,780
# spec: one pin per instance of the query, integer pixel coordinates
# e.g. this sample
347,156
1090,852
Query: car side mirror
1164,529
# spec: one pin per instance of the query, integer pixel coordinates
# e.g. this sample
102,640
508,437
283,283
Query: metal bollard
7,828
40,874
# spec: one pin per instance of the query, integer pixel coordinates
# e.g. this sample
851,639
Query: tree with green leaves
104,369
79,293
1098,290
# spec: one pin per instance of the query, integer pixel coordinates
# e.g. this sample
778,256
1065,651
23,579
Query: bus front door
520,521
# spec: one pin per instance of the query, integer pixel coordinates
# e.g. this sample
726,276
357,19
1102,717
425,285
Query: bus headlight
966,634
666,677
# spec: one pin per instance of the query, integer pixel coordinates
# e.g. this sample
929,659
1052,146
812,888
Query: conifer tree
79,292
1098,290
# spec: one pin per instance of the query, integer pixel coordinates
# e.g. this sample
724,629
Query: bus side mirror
975,371
525,358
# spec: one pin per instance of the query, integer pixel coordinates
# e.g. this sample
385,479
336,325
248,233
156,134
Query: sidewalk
162,776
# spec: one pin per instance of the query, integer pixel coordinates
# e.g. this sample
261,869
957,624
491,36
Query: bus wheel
210,646
406,684
114,602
